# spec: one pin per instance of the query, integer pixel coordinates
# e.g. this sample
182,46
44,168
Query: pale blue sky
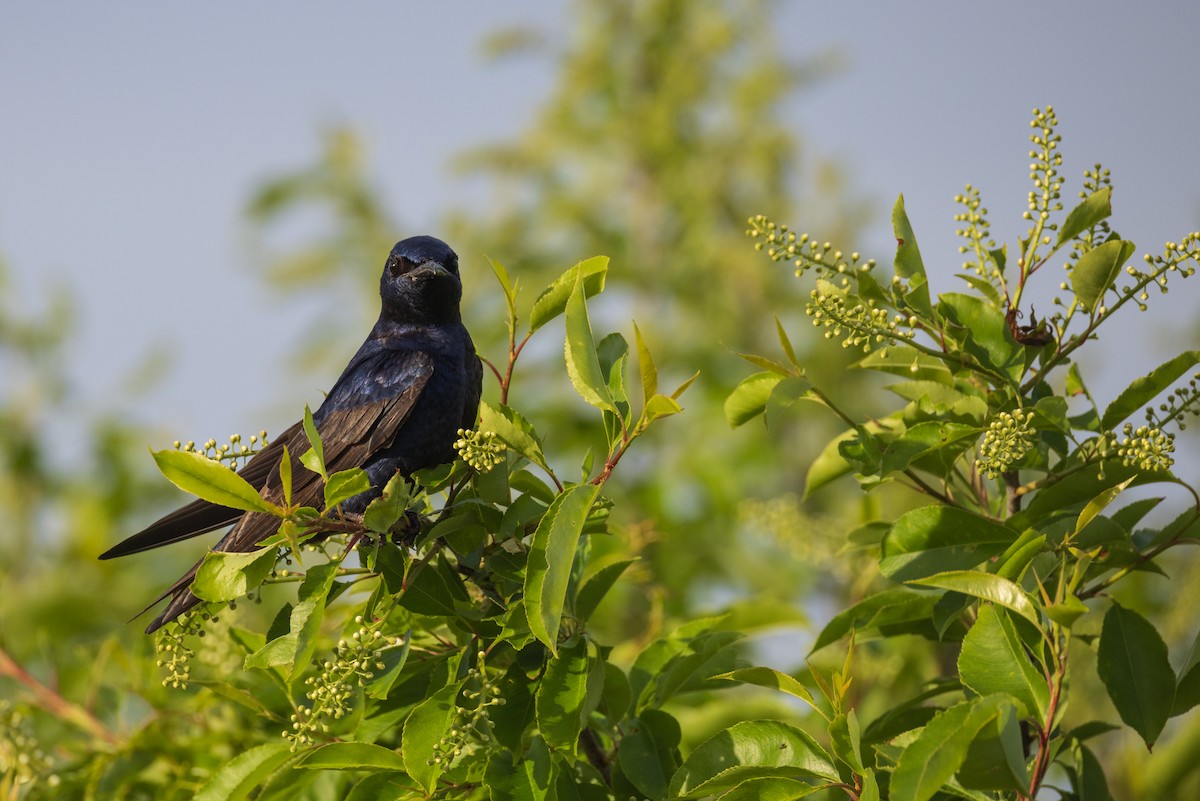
131,136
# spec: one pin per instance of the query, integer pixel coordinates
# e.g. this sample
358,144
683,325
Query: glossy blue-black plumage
396,407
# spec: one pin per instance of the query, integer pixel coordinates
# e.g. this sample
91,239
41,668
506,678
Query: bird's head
420,281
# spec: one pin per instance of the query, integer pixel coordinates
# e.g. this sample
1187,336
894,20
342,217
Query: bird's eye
399,266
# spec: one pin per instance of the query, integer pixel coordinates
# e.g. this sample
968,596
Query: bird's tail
181,601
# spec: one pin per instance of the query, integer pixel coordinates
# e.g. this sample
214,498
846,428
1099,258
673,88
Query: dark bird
397,407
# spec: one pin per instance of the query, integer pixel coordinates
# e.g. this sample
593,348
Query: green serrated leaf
1096,270
929,761
583,363
1132,662
561,695
937,538
987,586
224,576
344,485
552,301
513,430
770,678
593,590
751,749
383,512
909,265
1093,209
749,398
551,554
1145,389
211,481
423,730
351,756
314,457
993,660
239,776
649,373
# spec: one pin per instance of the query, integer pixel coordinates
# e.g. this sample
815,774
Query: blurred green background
194,207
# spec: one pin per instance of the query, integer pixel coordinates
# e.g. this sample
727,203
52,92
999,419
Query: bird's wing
201,517
349,435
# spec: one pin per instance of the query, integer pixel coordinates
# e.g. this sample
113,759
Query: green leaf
1147,388
423,730
506,283
929,761
553,299
772,679
887,608
907,361
783,396
924,439
383,679
749,398
829,464
987,586
593,590
646,368
211,481
551,555
528,778
982,329
661,406
1098,504
583,363
751,749
236,778
285,476
296,647
786,344
224,576
383,787
1096,207
1187,692
513,430
561,696
776,790
996,758
383,512
993,660
909,265
640,762
433,590
1091,784
1132,662
344,485
314,457
1096,270
846,739
937,538
351,756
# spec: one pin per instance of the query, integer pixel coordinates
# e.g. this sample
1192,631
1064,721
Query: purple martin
397,407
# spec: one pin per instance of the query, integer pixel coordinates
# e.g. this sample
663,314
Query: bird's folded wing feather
349,436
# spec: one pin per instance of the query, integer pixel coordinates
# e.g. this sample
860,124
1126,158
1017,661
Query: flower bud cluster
174,654
353,664
782,244
471,729
235,452
22,761
1174,259
1181,402
1008,438
1044,169
482,450
863,326
977,232
1148,448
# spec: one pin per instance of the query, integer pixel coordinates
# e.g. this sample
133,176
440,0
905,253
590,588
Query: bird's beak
429,269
